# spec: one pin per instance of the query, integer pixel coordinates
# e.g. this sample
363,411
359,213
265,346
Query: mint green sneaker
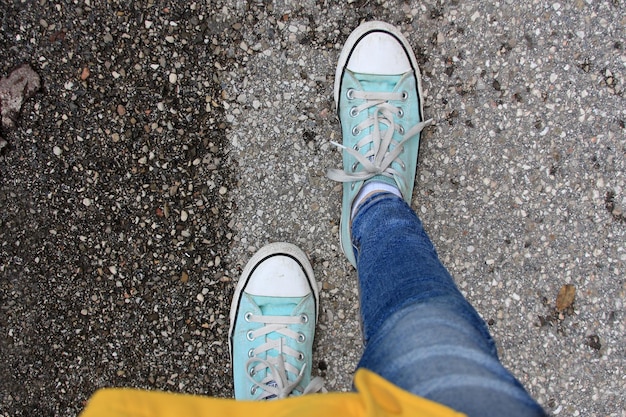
378,95
272,324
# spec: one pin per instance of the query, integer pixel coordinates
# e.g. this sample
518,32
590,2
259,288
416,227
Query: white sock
370,187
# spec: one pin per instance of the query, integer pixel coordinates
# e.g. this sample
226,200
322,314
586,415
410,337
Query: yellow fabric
375,397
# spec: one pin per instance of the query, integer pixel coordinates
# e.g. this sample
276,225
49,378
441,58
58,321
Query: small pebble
84,74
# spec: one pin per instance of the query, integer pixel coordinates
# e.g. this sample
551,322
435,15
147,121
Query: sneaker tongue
276,306
274,385
378,83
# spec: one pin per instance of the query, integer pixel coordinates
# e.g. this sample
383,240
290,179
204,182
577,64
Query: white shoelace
276,383
379,158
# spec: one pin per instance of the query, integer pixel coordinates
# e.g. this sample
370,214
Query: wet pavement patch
115,204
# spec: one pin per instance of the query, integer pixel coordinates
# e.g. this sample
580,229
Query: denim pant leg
420,332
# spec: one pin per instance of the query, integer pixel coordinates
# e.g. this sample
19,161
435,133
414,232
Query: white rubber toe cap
379,53
278,276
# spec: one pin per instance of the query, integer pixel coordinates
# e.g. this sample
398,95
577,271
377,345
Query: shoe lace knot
377,151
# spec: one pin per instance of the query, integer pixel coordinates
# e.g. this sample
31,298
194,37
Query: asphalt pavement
165,142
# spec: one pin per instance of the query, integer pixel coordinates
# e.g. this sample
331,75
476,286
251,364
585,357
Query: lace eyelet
301,338
355,131
247,317
304,318
400,112
354,112
405,95
253,390
250,336
352,186
356,147
300,356
401,130
354,165
350,93
252,372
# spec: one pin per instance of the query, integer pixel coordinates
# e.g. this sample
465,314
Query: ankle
370,189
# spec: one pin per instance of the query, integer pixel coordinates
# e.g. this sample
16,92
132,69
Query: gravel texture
170,140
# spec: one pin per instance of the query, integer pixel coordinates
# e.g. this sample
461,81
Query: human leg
420,332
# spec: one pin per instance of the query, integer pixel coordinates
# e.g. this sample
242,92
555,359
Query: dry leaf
566,297
20,85
184,277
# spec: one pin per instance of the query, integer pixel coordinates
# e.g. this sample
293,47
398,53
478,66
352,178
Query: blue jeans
420,332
